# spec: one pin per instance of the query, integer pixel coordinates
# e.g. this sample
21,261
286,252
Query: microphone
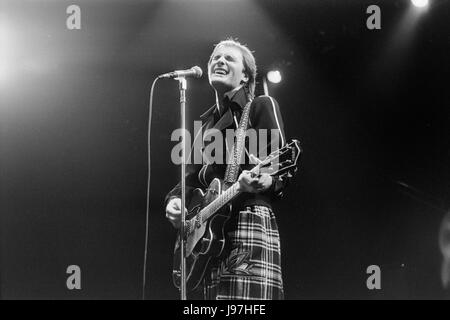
195,72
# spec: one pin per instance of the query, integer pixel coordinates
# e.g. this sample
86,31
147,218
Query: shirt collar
234,100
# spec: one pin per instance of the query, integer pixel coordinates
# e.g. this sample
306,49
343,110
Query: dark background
370,107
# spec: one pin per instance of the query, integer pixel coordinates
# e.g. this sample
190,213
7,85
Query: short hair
248,62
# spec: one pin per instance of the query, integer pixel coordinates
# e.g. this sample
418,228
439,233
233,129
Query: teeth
220,71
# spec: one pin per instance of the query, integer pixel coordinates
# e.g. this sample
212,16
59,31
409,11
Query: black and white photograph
250,150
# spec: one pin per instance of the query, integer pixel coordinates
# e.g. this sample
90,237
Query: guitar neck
220,201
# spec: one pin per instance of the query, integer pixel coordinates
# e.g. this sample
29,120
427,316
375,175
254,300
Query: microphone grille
198,71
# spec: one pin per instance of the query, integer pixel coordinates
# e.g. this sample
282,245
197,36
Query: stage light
274,76
420,3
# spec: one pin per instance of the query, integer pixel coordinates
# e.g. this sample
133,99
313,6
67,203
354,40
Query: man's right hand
173,212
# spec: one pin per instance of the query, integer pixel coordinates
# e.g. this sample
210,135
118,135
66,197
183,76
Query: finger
245,173
255,175
169,215
173,213
177,205
244,176
250,180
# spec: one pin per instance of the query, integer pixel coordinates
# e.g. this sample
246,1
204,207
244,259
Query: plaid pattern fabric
251,265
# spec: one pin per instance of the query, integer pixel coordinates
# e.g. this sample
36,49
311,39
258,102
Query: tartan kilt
250,267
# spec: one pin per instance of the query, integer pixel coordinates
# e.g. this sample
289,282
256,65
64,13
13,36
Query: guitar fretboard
219,202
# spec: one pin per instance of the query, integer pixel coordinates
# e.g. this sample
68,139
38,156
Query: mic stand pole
183,86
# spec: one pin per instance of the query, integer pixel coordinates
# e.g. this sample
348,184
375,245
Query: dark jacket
264,114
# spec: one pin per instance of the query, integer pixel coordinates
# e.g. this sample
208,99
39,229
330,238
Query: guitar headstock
283,160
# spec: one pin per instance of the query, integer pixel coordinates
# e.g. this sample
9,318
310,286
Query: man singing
250,265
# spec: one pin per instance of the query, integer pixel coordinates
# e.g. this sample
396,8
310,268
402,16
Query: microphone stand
182,87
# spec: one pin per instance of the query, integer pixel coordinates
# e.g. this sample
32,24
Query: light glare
274,76
420,3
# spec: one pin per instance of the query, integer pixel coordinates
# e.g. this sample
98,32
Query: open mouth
220,71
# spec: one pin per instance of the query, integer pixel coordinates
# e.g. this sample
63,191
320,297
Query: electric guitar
208,212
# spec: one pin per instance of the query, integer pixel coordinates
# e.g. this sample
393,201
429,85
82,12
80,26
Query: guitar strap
232,171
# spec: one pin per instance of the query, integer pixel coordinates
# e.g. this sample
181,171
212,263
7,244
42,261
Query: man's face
226,68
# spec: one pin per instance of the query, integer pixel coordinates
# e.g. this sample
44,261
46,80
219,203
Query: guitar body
205,241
